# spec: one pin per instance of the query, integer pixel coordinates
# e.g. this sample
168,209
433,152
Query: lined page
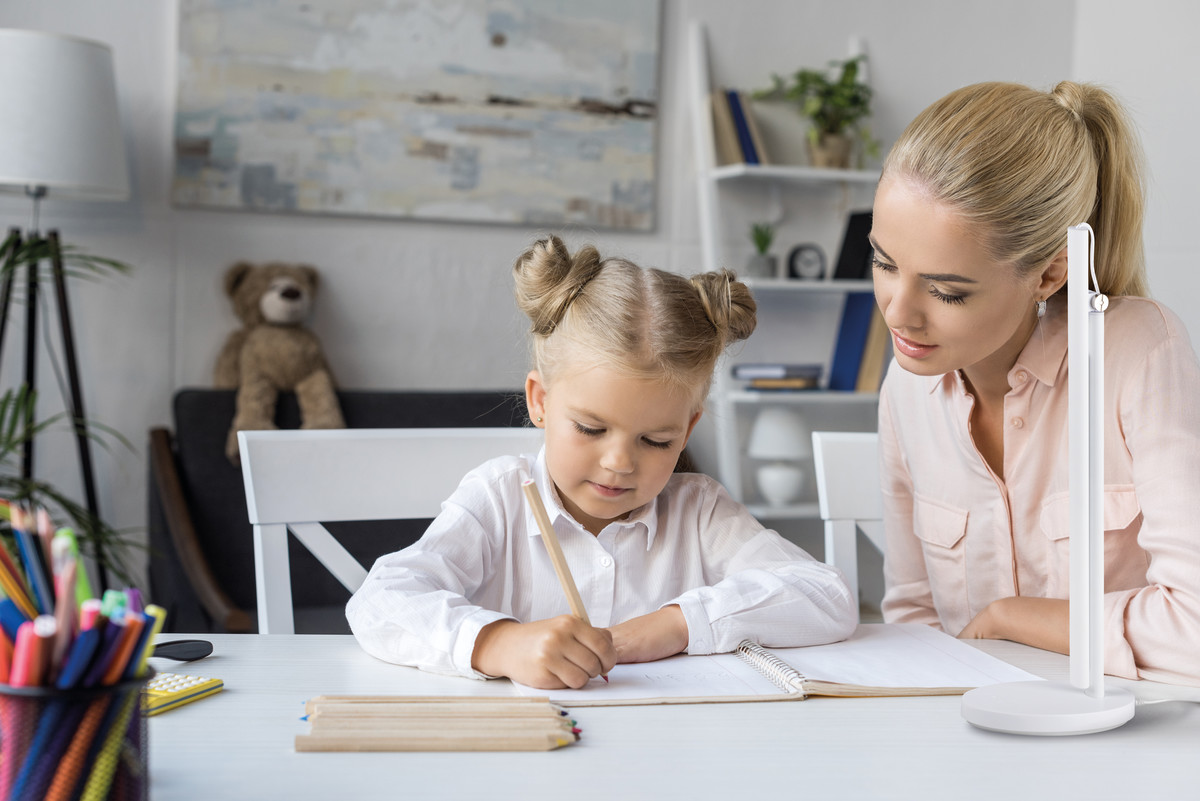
877,654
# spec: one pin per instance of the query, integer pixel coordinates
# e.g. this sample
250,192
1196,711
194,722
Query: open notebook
877,660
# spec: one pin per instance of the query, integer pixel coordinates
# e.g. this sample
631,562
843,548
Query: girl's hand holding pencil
548,654
564,651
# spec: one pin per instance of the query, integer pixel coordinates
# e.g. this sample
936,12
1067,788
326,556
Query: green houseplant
762,262
836,102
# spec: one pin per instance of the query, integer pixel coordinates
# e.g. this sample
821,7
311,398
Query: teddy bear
272,351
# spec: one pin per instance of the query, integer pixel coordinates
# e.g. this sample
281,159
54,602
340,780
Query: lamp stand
78,419
1085,705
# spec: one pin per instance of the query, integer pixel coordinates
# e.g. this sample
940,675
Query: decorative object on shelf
61,138
806,261
762,263
836,102
854,259
781,438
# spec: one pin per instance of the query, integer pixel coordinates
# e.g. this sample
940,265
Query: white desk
239,743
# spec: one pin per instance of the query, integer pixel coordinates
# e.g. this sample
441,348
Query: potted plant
18,426
836,102
762,263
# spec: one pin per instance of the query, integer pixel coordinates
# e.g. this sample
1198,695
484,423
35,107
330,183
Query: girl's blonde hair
1026,165
644,323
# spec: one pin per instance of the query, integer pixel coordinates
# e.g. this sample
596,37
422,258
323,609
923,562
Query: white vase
780,483
762,265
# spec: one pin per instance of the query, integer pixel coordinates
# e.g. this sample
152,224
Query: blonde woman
970,231
665,562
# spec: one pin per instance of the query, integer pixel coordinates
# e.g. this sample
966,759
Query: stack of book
736,135
778,377
434,723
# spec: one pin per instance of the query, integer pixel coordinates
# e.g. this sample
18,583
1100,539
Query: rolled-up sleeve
763,588
1153,632
414,608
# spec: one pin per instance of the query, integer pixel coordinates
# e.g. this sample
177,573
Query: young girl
665,562
970,232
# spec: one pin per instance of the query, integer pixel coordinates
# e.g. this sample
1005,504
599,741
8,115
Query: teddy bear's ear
235,275
310,275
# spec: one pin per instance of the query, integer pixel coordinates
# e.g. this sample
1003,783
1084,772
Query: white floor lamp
1083,705
60,136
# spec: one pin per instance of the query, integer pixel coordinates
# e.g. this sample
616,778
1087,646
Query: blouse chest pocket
942,530
1121,511
1121,508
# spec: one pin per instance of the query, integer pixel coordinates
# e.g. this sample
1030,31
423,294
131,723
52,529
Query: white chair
849,496
297,480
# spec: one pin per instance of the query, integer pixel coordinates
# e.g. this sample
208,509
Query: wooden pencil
432,742
467,700
443,724
433,711
556,555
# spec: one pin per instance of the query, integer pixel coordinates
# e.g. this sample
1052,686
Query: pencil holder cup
73,744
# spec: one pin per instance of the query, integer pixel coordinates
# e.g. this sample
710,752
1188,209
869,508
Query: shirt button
1017,422
1022,376
606,561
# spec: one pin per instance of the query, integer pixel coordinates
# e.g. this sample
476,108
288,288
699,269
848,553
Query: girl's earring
539,419
1041,308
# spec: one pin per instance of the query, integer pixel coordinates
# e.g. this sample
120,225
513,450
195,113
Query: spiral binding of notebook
781,674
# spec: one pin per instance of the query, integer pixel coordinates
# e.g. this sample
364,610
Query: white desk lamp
1082,706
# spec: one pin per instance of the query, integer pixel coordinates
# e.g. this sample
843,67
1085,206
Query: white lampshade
60,128
779,433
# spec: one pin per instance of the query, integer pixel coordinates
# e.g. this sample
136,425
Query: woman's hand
548,654
649,637
1041,622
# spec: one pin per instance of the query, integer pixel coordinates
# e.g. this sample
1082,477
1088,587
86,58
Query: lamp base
1046,708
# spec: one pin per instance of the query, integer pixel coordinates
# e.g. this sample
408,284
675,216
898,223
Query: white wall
1151,62
421,305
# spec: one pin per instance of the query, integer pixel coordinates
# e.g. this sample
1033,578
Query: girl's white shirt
482,560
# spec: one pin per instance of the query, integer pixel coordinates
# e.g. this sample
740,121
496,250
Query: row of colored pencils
62,730
434,723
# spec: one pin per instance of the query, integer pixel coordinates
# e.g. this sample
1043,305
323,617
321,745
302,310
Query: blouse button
1017,422
606,561
1022,376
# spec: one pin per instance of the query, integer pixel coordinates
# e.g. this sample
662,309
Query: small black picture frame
854,259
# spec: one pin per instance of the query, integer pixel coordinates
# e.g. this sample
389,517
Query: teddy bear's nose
291,293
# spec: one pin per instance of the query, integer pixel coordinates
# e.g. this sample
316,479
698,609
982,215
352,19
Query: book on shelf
851,341
783,384
854,258
875,355
877,660
752,370
725,138
752,152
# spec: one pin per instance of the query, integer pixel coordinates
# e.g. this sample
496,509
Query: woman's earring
1041,309
539,419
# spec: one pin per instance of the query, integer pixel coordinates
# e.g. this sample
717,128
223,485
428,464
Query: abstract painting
507,111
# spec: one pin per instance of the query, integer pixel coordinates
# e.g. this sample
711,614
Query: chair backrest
849,496
297,480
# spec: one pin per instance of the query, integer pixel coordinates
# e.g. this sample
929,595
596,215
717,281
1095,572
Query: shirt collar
645,516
